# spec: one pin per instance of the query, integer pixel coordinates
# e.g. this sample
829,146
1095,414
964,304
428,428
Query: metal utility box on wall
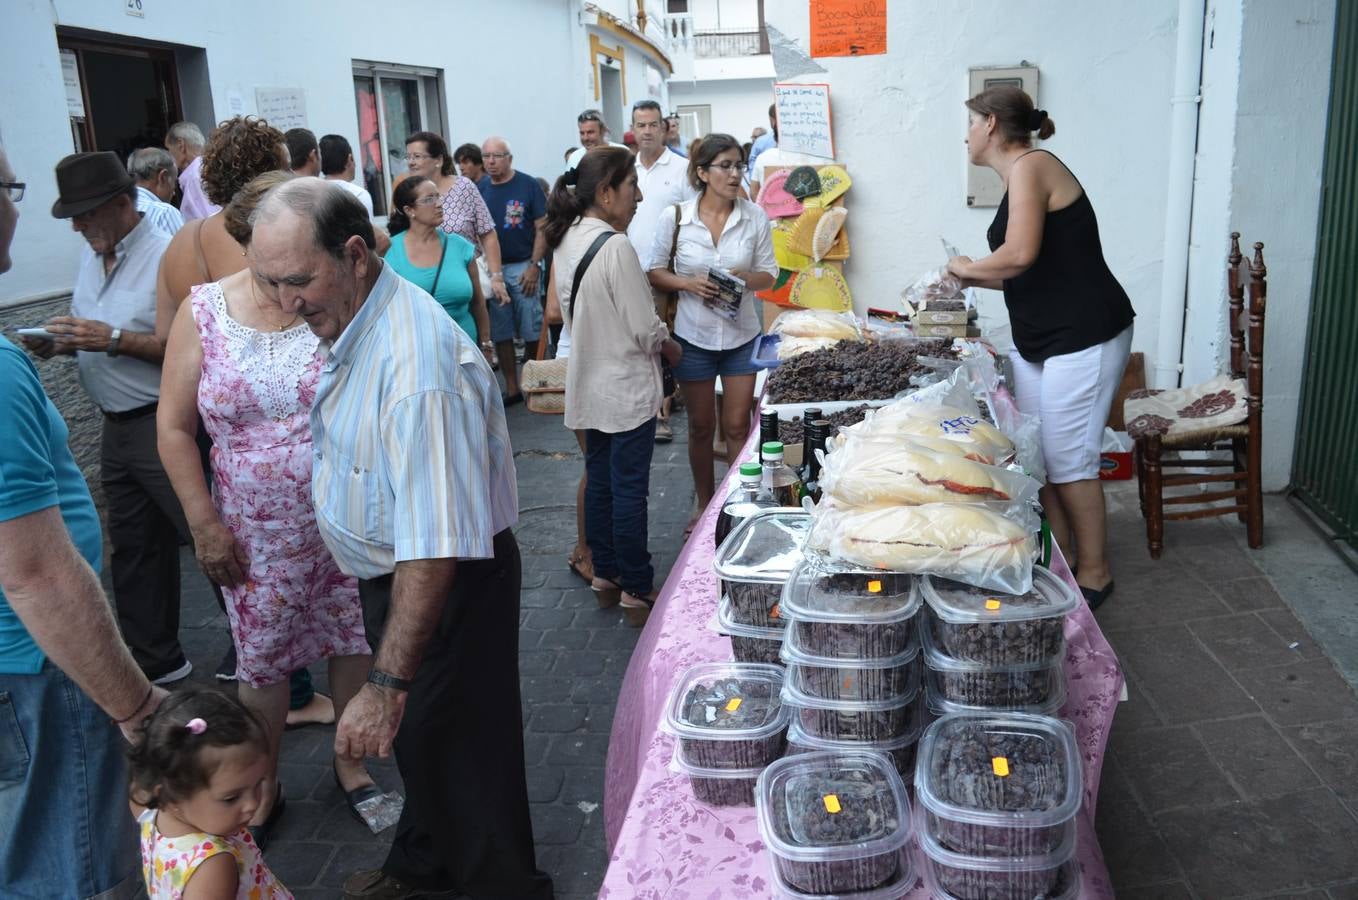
984,187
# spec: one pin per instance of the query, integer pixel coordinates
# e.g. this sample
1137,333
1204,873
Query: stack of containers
836,824
996,798
730,722
988,650
752,564
853,659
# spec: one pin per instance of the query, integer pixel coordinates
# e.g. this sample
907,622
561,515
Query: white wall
725,15
737,106
253,43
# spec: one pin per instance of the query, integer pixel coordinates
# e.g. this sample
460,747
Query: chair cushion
1204,407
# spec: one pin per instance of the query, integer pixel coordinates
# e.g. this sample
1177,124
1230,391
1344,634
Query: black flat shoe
353,798
1095,598
512,399
264,831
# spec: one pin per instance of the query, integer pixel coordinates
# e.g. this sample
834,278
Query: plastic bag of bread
990,547
864,471
817,323
982,441
789,347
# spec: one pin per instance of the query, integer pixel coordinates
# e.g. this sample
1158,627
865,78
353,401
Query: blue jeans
65,828
618,467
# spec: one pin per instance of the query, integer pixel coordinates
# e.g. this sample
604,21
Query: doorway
610,97
129,95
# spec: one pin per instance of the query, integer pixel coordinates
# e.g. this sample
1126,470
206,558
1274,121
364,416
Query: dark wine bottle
768,430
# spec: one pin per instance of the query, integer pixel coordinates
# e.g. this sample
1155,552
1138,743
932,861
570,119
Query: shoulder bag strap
198,250
443,254
584,264
674,242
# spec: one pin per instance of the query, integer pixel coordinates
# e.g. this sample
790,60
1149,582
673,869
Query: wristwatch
382,679
113,340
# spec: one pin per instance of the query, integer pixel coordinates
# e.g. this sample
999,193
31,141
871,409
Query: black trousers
459,749
145,526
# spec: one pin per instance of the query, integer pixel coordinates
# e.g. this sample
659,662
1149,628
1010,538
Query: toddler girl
196,779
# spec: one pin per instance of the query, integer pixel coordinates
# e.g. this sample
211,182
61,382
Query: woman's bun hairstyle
1014,112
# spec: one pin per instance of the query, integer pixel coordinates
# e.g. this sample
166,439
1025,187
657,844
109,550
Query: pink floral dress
254,396
168,863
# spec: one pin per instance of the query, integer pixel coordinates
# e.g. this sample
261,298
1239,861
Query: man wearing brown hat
111,333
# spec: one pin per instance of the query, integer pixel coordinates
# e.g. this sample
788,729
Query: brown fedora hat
85,180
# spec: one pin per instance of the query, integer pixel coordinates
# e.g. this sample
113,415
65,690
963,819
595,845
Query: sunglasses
590,115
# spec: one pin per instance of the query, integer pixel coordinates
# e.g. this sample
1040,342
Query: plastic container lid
956,602
724,623
764,547
1051,790
810,596
940,705
796,698
794,654
930,847
679,763
764,715
896,889
832,782
799,736
940,661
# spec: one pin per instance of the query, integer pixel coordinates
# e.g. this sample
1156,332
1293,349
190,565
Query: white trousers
1072,394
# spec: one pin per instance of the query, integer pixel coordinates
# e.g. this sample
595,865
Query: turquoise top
454,290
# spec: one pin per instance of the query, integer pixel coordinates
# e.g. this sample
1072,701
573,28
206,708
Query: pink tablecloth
666,844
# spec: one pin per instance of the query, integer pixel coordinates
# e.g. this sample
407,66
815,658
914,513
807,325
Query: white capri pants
1072,394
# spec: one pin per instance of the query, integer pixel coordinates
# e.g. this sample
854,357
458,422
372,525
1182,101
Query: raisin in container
896,889
852,613
954,684
975,625
749,643
832,678
755,560
835,821
999,785
900,749
855,720
728,715
717,787
1053,875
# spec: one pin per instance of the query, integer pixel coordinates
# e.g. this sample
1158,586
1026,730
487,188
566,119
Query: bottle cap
750,470
773,448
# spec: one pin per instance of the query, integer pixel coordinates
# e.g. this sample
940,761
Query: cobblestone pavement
572,657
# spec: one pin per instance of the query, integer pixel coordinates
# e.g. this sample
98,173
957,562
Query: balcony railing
713,44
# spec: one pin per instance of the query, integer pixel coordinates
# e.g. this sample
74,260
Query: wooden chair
1242,441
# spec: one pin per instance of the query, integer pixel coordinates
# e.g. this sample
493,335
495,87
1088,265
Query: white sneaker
178,674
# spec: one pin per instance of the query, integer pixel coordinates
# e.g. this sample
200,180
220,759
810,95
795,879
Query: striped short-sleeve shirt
412,453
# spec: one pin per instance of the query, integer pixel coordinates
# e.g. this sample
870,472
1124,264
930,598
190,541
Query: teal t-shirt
454,290
37,471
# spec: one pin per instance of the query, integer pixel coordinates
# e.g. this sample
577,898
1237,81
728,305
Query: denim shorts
698,364
522,316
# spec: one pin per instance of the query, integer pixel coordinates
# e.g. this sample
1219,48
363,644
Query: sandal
582,566
692,524
606,591
1095,598
637,609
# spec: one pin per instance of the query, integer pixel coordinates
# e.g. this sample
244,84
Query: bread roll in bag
863,472
983,442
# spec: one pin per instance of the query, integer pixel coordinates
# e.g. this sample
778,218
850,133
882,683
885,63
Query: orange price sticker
775,612
992,604
831,803
1000,766
733,704
874,587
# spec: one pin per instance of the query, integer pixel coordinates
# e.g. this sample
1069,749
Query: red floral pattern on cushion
1144,393
1142,426
1209,405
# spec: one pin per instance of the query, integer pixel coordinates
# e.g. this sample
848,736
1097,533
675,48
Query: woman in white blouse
718,232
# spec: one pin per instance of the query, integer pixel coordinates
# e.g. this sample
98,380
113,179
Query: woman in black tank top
1071,320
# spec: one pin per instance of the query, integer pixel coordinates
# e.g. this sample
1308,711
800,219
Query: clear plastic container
728,715
749,643
831,678
955,876
1039,687
897,888
855,720
755,559
851,613
900,749
834,821
717,787
998,785
975,625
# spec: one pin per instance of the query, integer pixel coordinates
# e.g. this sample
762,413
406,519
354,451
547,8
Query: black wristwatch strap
382,679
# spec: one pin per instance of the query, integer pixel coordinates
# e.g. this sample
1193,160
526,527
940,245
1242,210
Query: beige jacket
613,383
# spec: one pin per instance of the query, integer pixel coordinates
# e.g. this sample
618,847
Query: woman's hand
219,553
958,266
672,352
700,286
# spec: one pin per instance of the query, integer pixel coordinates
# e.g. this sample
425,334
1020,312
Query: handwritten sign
283,108
848,27
70,79
804,124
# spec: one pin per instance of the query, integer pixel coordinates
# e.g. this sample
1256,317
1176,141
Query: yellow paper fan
827,232
834,183
821,287
782,251
804,231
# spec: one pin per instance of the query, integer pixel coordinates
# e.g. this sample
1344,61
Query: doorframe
81,40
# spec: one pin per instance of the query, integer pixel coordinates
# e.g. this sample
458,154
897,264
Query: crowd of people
265,356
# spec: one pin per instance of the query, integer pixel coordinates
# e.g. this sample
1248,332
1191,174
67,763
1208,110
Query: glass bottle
779,478
745,500
768,429
811,479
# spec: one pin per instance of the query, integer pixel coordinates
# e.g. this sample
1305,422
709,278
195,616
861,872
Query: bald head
498,159
335,215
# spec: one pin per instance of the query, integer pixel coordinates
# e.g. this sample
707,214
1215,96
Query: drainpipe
1183,145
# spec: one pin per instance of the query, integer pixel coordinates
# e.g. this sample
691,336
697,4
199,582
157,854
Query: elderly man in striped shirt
415,494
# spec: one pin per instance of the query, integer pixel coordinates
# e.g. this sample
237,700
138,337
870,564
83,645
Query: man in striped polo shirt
415,494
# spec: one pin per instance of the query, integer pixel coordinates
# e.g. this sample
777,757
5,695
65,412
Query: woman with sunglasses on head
720,230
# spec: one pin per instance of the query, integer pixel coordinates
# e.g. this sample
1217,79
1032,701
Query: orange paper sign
848,27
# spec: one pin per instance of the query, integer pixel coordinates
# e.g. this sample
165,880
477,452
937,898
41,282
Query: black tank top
1068,300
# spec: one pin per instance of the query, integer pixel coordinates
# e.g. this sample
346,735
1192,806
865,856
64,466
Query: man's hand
222,557
497,287
368,726
82,334
529,279
43,348
132,726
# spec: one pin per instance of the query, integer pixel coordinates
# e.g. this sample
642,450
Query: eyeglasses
428,200
590,115
727,167
13,189
416,157
495,156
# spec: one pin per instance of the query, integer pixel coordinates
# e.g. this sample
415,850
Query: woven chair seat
1203,438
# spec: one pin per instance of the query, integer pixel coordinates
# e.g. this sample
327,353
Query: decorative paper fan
802,182
782,250
803,232
821,287
834,183
781,291
827,231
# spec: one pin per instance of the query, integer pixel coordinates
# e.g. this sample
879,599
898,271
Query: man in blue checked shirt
415,494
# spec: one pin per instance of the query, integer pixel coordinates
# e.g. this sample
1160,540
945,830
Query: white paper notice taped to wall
283,108
70,78
804,123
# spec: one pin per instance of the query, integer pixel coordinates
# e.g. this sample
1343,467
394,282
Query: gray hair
335,215
496,137
189,133
146,163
